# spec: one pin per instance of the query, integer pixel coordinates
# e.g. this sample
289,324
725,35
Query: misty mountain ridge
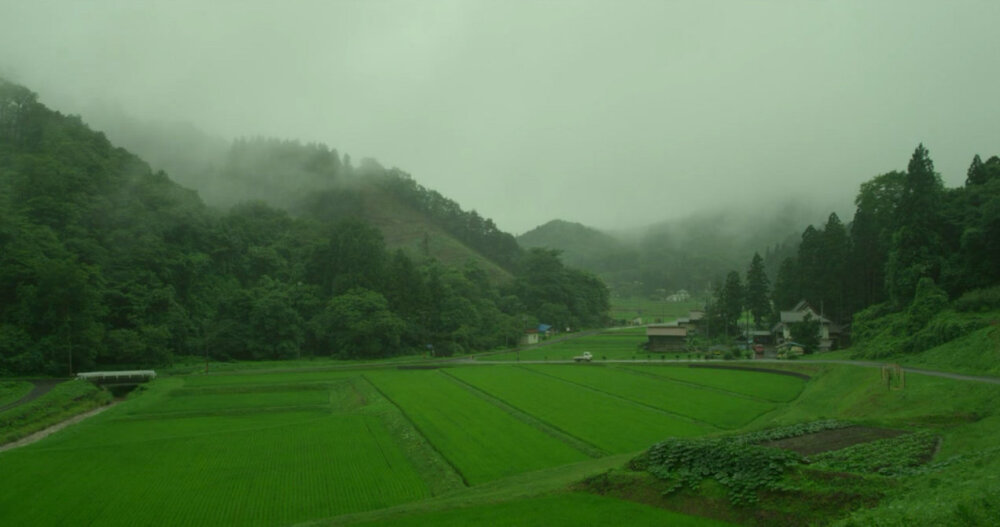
314,180
690,253
106,262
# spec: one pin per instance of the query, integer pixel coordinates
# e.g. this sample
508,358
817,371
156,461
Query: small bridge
117,378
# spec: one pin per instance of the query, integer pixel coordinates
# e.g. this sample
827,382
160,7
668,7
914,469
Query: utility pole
69,342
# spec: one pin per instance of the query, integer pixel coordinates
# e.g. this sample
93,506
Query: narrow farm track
41,387
908,369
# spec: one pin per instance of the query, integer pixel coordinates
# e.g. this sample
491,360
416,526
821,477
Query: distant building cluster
679,296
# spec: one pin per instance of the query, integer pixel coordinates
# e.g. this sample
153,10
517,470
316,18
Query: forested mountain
691,253
907,227
104,262
582,246
313,179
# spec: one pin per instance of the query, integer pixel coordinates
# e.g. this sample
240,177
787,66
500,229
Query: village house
666,338
529,337
829,332
679,296
691,322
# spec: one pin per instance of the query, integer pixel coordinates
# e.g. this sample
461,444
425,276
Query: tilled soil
836,439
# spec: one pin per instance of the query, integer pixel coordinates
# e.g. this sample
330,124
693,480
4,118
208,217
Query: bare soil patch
835,439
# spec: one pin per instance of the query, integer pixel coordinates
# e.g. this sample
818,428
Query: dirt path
42,386
42,434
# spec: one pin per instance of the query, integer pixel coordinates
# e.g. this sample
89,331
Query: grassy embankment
62,402
11,391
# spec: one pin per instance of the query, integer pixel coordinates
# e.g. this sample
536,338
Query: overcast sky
609,113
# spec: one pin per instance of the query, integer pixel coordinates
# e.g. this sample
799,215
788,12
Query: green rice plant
480,440
768,386
607,422
242,474
710,406
267,378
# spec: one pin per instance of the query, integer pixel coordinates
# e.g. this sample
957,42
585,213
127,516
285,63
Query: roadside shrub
928,301
943,328
979,300
871,321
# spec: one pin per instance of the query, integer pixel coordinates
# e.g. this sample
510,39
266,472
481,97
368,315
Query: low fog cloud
613,114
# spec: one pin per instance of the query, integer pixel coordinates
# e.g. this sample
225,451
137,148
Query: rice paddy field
651,311
435,444
616,344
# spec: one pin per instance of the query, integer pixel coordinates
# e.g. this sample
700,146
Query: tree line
908,229
104,262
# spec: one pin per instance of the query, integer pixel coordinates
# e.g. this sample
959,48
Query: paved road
909,369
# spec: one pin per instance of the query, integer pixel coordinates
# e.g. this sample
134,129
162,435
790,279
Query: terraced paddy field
603,420
715,407
464,444
770,387
481,440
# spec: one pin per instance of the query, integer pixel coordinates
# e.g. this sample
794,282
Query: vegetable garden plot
279,475
602,420
710,406
769,386
480,440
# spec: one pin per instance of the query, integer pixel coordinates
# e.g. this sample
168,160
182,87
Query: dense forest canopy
911,240
104,262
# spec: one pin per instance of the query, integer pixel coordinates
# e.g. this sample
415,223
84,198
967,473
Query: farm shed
666,338
530,337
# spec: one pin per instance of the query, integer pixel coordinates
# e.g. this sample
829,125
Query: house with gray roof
829,331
